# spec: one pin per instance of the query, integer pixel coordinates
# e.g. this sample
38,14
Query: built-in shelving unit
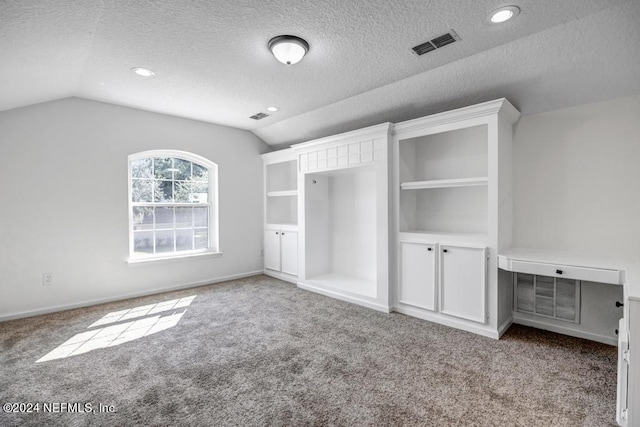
453,175
281,215
344,221
443,178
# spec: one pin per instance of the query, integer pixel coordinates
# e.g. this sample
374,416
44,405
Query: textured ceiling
212,64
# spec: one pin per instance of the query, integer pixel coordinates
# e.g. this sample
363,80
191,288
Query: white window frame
213,228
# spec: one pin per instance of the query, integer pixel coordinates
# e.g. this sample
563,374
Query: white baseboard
519,319
343,297
503,328
282,276
31,313
447,321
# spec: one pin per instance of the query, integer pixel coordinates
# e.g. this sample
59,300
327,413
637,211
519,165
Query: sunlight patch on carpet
120,333
143,310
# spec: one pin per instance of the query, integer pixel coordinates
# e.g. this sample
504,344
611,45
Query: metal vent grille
423,48
435,43
259,116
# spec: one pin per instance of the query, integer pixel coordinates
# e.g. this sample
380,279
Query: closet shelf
444,183
282,193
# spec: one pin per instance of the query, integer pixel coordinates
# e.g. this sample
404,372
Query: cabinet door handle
283,233
277,232
429,249
445,250
558,271
619,304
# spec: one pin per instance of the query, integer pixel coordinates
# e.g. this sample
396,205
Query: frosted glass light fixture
504,14
288,49
143,72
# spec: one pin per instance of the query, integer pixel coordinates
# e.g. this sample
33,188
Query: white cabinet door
289,252
418,275
463,273
272,250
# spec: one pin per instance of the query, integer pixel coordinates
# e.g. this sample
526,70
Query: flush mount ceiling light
504,14
288,49
144,72
273,109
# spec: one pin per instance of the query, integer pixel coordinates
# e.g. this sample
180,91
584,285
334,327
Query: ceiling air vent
435,43
259,116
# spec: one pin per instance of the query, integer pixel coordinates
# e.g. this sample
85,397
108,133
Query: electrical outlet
47,279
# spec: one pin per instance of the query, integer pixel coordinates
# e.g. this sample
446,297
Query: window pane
164,218
182,191
200,173
141,168
201,239
166,191
182,169
141,190
184,217
200,217
184,240
164,241
162,227
163,168
143,242
142,218
200,192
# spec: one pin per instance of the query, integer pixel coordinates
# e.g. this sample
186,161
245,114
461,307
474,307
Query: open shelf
282,193
455,210
445,156
281,177
444,183
282,210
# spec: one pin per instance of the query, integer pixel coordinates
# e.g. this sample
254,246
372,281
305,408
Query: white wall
352,223
63,186
577,180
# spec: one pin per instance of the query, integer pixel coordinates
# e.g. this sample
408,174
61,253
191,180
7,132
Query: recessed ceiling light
504,14
273,109
144,72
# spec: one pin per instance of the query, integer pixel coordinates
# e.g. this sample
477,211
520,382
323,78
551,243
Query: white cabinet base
321,287
282,276
443,319
418,275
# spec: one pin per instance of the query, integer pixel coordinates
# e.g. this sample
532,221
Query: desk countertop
631,268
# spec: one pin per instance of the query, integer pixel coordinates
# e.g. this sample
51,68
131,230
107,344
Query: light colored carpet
259,351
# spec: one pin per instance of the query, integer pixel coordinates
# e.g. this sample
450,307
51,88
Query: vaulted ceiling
212,63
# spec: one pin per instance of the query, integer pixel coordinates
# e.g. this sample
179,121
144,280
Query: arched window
173,205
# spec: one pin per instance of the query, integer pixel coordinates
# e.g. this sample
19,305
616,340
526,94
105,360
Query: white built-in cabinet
418,275
463,273
452,181
281,251
422,240
281,215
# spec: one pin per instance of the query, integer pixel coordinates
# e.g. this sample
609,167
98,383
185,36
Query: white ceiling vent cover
259,116
436,43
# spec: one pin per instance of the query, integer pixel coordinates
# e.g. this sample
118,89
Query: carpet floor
259,351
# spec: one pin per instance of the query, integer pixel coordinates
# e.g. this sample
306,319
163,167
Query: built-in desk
566,293
562,264
594,273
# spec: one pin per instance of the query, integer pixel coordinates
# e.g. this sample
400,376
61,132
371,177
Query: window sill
173,258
